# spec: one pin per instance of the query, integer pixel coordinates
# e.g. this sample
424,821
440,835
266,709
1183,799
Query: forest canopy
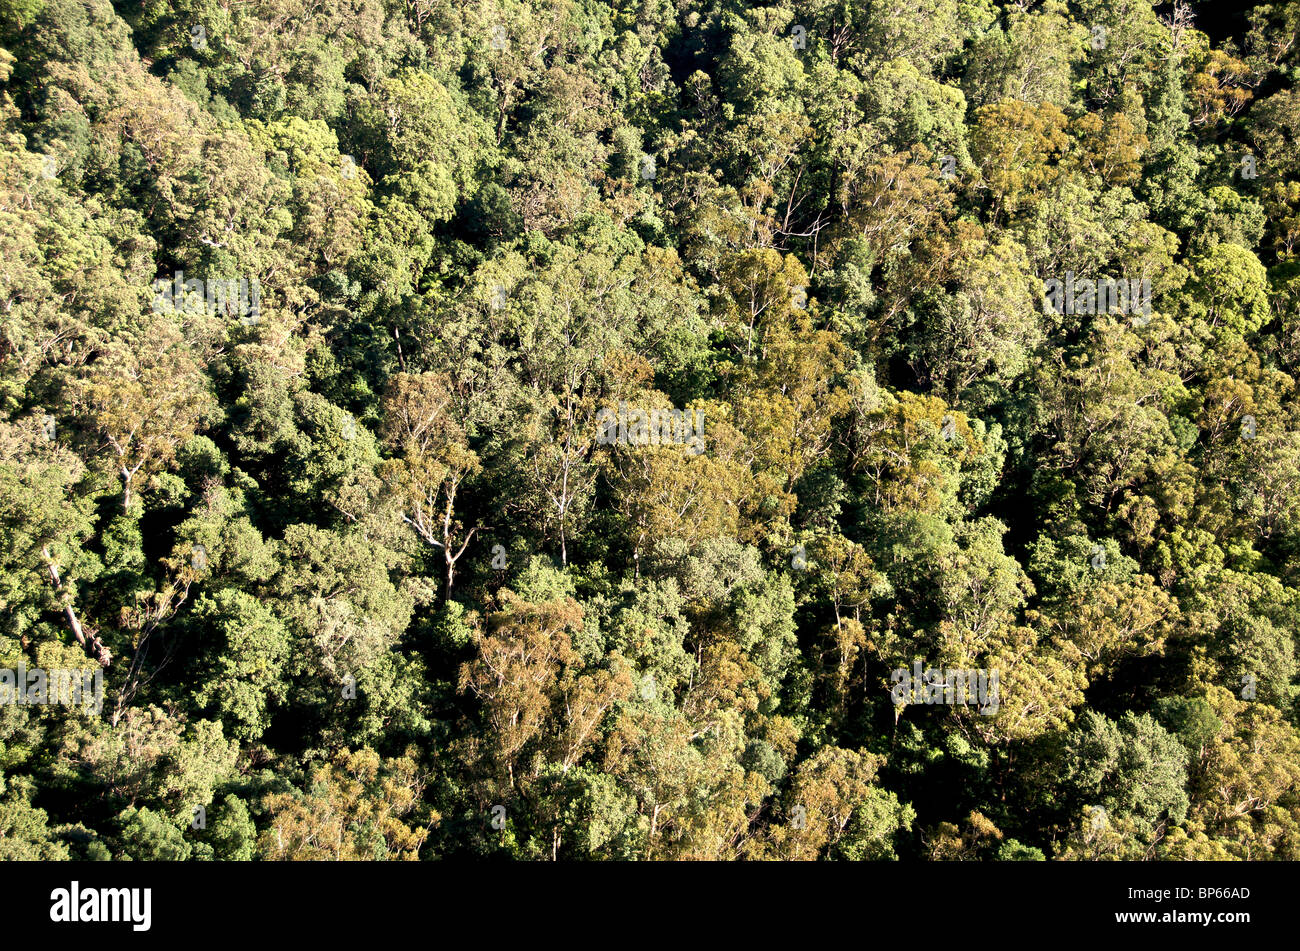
652,429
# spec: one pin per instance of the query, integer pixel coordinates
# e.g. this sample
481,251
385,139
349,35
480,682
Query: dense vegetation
367,569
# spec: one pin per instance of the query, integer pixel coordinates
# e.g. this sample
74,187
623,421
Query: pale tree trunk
91,644
447,555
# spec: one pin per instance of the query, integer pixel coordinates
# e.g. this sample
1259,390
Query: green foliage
367,571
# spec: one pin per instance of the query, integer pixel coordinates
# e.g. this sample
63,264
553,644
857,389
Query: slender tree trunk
91,644
654,825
